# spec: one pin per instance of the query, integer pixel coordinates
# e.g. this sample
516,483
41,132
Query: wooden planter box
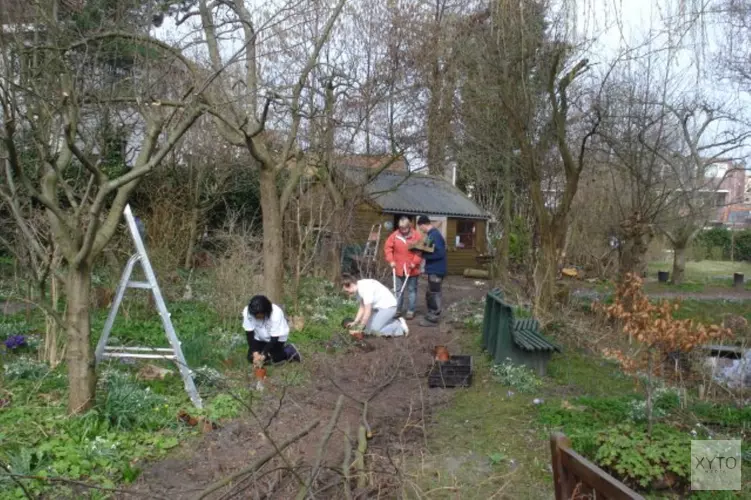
456,372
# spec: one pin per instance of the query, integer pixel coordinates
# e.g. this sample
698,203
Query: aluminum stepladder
371,245
370,251
174,352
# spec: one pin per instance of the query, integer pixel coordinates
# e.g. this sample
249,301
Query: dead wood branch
362,447
257,464
322,448
347,464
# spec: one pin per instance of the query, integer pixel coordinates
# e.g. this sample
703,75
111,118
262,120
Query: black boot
430,320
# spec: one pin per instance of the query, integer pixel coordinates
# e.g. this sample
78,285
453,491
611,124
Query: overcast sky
607,28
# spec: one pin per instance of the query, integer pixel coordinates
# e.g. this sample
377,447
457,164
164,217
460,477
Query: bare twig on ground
321,449
278,408
257,464
346,464
80,484
362,446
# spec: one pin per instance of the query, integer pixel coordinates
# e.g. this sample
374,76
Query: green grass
712,311
705,273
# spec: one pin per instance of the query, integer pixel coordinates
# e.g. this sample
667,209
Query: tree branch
257,464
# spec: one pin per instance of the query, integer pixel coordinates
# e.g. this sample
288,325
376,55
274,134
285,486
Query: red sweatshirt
397,251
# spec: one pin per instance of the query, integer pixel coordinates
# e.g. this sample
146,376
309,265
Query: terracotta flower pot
441,353
260,373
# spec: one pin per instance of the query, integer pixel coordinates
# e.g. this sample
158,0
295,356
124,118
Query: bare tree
636,131
58,87
243,122
709,135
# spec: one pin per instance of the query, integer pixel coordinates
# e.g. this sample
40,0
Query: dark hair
423,219
260,304
347,280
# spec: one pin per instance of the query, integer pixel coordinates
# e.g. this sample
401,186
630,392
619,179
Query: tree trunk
193,230
679,263
546,269
650,368
50,351
505,248
81,374
273,240
334,267
634,254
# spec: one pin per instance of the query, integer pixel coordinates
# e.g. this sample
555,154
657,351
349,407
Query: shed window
465,234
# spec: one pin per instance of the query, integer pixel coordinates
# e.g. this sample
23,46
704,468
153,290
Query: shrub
636,457
518,377
238,272
656,330
716,244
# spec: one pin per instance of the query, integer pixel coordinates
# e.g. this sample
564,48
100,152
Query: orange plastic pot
260,373
358,335
441,353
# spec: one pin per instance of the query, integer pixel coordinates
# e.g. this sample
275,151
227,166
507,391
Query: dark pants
433,297
276,353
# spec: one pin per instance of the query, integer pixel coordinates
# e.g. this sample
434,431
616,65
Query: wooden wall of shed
364,218
460,259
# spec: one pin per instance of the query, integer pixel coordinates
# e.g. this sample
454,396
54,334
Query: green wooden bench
518,339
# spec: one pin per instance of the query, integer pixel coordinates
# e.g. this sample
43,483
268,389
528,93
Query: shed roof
415,194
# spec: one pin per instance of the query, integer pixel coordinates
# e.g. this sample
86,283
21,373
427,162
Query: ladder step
140,284
138,349
137,356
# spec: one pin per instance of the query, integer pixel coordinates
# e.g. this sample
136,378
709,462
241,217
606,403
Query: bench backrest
498,321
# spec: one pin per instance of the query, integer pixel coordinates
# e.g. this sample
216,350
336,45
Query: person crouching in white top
267,331
377,308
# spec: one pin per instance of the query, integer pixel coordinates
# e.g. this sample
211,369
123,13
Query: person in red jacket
399,256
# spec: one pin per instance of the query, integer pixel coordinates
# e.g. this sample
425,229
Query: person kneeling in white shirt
267,331
377,308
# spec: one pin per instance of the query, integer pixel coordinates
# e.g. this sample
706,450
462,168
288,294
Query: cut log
476,273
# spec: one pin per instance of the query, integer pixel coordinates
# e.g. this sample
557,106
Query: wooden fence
576,478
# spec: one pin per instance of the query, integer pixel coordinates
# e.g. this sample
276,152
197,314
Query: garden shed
390,194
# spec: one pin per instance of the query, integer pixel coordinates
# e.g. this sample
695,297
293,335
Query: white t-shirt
373,292
275,326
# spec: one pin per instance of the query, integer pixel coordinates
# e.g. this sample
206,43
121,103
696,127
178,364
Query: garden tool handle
406,277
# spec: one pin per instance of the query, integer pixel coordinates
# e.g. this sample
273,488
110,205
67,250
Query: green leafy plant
635,456
126,405
223,406
25,368
518,377
665,400
205,376
496,458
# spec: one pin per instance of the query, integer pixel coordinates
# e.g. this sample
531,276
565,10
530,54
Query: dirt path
398,416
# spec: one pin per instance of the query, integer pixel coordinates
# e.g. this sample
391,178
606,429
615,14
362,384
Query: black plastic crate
456,372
